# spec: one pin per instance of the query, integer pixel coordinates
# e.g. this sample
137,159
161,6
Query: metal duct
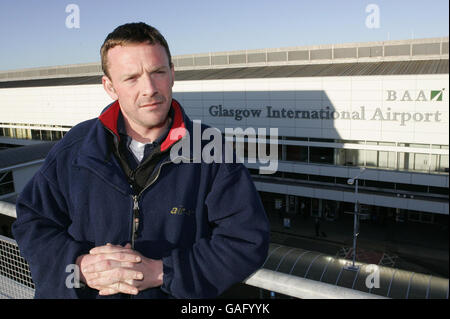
391,282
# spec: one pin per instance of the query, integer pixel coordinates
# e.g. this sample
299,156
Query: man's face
142,80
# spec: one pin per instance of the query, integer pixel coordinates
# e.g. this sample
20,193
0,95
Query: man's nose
148,86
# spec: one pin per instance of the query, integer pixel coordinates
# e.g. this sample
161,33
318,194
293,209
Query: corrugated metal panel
343,69
80,80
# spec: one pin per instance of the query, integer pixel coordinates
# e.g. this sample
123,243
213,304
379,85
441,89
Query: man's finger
101,266
118,275
126,256
112,262
109,248
119,287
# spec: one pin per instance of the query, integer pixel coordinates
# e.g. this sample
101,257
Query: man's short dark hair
132,33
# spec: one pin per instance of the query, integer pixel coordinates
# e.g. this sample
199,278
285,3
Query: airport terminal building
382,106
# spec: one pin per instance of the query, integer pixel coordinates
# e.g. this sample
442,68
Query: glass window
420,145
36,135
412,187
296,153
382,159
386,159
19,133
369,183
11,132
386,143
321,178
348,157
296,176
438,190
371,158
427,218
392,160
322,140
443,163
414,216
56,135
23,133
315,207
350,142
46,135
421,162
290,138
405,161
341,180
280,151
321,155
340,156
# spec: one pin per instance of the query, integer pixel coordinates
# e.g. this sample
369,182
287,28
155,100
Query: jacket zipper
135,221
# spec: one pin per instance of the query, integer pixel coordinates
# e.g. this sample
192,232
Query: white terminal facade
379,105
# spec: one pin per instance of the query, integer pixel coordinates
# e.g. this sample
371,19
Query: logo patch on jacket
180,210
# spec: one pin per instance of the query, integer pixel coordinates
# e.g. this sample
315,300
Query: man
110,200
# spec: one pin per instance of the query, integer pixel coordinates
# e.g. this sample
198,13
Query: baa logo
180,210
406,95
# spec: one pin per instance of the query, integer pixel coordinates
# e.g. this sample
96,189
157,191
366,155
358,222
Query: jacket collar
96,152
110,116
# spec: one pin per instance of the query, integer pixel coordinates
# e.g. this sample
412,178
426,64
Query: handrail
297,287
303,288
8,209
289,271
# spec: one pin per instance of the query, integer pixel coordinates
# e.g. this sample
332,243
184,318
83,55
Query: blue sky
34,32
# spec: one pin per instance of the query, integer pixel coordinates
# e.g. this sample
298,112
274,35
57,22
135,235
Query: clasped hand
119,269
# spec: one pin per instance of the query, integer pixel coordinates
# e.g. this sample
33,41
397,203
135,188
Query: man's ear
172,70
109,88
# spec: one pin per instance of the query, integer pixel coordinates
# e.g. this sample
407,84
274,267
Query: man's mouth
151,104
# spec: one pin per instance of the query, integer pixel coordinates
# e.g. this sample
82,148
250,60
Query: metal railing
16,281
289,271
303,288
15,276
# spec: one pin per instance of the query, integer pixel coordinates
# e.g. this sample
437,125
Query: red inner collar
177,131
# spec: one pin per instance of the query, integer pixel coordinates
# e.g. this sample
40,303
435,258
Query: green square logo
436,95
